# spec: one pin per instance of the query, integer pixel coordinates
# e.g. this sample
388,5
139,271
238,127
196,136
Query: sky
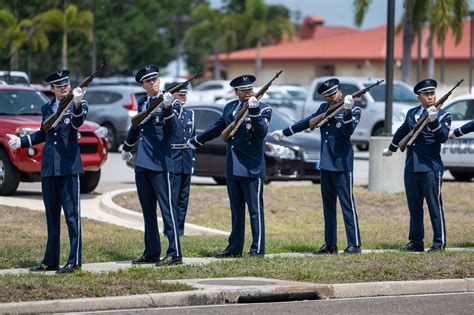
340,12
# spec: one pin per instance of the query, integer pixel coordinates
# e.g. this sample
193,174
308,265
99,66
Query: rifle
321,119
153,106
53,120
230,130
421,123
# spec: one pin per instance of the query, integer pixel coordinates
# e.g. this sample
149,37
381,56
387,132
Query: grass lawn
294,224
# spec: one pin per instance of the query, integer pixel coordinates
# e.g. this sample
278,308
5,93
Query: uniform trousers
153,187
246,190
339,185
181,188
419,186
62,191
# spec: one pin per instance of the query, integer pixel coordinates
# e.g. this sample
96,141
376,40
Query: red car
20,114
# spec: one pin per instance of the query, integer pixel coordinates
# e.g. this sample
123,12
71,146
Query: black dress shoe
145,260
326,249
43,267
352,250
170,261
410,247
69,268
256,255
435,250
227,254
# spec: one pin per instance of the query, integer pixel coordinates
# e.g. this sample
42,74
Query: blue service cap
243,82
182,91
328,87
59,78
427,85
146,73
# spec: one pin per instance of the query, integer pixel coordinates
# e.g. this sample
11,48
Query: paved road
457,303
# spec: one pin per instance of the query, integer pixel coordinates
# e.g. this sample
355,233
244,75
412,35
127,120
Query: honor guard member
183,156
461,131
245,165
424,168
337,163
153,165
60,168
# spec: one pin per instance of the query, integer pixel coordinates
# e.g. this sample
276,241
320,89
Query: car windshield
401,93
21,102
279,122
298,94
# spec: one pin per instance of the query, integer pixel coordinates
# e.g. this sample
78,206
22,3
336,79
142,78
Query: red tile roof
332,44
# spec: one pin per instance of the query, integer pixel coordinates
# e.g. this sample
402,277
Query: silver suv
372,104
113,106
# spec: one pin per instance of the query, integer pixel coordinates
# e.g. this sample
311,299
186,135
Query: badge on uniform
338,125
67,120
248,126
157,120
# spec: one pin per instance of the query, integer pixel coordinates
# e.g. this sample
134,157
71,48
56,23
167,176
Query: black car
292,158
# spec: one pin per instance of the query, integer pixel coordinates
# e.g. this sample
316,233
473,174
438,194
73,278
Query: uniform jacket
336,147
153,139
245,150
183,158
464,129
61,154
424,154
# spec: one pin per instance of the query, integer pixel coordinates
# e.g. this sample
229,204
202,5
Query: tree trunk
442,64
418,48
431,65
64,50
217,65
258,60
407,41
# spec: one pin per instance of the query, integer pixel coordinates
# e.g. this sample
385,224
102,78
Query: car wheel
316,181
112,138
9,175
462,176
89,181
220,180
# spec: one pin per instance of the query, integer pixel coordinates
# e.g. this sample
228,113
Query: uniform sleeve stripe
460,131
82,113
256,115
436,129
291,130
347,121
74,126
130,145
196,139
396,146
169,116
29,140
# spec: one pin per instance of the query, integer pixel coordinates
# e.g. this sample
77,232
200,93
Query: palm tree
214,28
10,36
70,22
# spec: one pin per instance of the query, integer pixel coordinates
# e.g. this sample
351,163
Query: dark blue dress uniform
337,161
153,168
184,159
424,170
60,168
464,129
245,168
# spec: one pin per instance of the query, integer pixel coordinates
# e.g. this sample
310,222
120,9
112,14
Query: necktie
421,114
55,106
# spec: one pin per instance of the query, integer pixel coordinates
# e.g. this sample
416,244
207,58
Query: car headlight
279,151
132,113
101,132
23,131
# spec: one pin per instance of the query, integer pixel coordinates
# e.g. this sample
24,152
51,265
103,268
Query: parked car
43,88
20,114
458,154
15,77
113,106
292,158
372,105
212,90
296,93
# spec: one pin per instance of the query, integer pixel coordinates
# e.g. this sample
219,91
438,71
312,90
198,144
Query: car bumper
285,170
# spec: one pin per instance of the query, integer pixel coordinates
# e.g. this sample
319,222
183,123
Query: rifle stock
51,121
421,123
231,129
141,117
321,119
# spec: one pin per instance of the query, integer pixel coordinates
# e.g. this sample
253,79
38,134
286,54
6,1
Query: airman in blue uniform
461,131
153,169
60,168
245,165
337,163
424,167
183,156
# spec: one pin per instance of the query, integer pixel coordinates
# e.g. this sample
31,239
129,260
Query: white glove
78,94
386,152
348,102
451,135
192,146
14,141
167,99
278,135
126,155
432,113
253,102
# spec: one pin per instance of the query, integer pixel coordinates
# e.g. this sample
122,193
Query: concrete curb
107,204
229,296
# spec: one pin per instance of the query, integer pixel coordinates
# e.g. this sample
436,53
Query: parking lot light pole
389,67
471,43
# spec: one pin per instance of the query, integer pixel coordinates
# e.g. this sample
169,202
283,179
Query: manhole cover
236,282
